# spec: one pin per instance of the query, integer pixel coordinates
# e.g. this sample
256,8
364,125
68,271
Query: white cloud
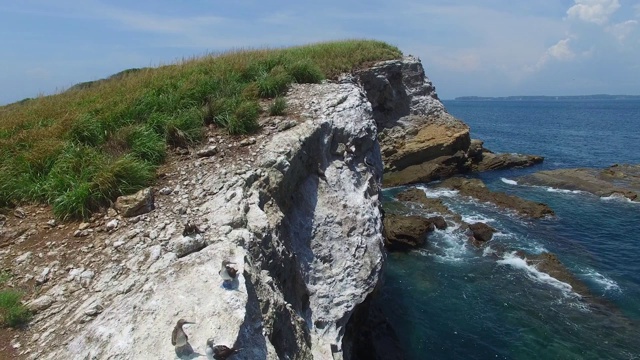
622,30
595,11
561,51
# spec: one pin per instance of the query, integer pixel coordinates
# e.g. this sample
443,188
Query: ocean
450,300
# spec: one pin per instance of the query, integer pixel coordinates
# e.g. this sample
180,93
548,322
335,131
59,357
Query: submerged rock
616,180
475,188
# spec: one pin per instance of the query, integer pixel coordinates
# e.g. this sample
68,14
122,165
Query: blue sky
482,47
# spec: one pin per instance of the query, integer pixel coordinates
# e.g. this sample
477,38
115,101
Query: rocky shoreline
297,207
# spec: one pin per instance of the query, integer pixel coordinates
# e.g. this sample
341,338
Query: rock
481,232
185,245
86,277
81,233
248,141
286,125
136,204
406,232
51,223
83,226
44,276
490,161
190,229
165,191
111,212
475,188
435,169
414,126
19,213
439,222
94,309
616,180
24,258
430,204
40,304
475,150
111,225
208,151
550,264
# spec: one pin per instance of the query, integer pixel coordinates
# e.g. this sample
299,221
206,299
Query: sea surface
452,301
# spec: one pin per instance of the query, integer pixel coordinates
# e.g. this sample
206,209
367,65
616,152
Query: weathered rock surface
406,232
489,161
617,180
413,124
476,189
136,204
301,220
420,141
481,232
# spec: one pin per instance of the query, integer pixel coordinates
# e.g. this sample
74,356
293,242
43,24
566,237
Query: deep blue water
452,301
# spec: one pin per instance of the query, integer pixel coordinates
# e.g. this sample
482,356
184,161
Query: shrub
278,107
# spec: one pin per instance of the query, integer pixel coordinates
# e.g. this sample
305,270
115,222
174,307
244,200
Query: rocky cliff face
299,216
296,209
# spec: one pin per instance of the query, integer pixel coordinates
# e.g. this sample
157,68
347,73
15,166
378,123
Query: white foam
606,283
618,197
509,181
474,218
519,263
562,191
438,192
488,251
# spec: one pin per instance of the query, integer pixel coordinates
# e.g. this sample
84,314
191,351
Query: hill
82,148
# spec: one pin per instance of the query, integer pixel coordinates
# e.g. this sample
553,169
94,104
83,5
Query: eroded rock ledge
616,180
420,141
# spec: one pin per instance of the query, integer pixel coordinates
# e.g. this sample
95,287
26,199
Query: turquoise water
452,301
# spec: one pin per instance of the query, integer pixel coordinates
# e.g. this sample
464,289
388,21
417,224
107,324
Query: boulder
481,232
406,232
137,204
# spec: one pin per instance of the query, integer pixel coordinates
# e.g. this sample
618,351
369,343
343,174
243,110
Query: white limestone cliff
298,212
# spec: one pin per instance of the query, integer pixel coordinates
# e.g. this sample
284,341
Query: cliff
296,208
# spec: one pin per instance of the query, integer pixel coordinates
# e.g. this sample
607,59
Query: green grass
81,148
12,312
278,107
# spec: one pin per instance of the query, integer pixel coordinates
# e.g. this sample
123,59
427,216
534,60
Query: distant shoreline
548,98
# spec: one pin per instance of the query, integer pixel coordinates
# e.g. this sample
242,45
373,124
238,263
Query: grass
278,107
78,149
12,312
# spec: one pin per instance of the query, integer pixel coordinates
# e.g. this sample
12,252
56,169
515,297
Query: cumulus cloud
595,11
561,51
622,30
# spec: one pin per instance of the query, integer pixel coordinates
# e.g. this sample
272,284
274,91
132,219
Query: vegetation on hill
81,148
12,312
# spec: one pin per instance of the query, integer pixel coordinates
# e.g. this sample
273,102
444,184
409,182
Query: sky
479,47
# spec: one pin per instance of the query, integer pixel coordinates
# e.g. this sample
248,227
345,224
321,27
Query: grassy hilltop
81,148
